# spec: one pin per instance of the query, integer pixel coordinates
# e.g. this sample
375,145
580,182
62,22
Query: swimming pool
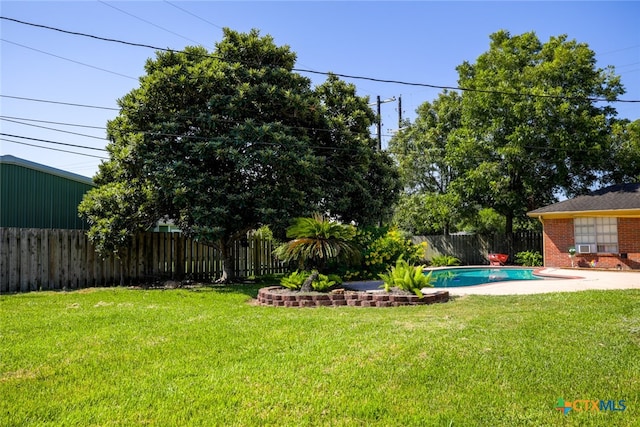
472,276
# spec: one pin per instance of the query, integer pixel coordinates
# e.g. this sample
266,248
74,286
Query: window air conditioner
584,249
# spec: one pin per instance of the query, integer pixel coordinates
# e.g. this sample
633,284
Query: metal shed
33,195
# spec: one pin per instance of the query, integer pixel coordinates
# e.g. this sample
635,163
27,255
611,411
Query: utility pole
399,116
379,126
393,98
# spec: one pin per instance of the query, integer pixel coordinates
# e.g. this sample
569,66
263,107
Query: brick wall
558,238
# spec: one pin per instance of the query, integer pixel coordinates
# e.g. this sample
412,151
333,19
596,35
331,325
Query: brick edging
272,296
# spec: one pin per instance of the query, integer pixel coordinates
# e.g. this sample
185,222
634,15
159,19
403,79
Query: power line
255,143
230,121
67,59
262,143
53,149
53,123
207,138
620,50
74,33
52,142
147,22
192,14
464,89
53,129
346,76
59,102
274,144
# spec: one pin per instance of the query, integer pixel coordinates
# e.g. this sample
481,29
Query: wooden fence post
179,258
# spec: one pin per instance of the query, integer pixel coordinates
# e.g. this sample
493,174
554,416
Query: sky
58,90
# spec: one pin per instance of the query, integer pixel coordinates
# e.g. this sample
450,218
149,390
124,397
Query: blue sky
418,42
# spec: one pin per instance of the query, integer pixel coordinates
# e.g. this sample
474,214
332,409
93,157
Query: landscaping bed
282,297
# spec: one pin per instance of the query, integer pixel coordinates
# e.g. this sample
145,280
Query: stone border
273,296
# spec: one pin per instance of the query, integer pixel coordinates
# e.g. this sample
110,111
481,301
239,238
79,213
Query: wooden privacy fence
473,249
46,259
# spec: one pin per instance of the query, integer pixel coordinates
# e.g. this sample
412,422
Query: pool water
455,277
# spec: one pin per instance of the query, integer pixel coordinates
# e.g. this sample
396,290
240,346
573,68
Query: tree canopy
625,150
530,125
224,142
428,206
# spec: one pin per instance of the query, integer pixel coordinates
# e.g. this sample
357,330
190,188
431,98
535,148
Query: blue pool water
455,277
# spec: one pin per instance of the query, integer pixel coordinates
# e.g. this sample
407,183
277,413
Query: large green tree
531,127
222,142
530,124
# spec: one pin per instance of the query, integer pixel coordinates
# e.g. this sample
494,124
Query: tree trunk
178,274
509,234
509,223
121,262
228,261
307,285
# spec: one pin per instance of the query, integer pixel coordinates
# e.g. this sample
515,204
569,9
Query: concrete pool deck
576,280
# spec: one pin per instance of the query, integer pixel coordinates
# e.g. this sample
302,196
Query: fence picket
12,253
34,273
4,272
43,265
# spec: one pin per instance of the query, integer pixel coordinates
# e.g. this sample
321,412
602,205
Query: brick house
603,227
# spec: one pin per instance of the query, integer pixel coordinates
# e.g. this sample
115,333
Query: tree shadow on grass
249,289
246,286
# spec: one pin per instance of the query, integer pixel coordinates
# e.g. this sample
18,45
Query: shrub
381,247
295,280
406,277
335,278
444,261
322,283
529,258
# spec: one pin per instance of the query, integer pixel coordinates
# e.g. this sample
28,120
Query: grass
203,357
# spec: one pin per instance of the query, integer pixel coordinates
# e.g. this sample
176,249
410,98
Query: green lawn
207,357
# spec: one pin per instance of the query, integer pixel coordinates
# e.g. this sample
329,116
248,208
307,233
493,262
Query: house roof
11,160
616,200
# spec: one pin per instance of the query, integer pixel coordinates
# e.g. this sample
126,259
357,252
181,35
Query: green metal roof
33,195
12,160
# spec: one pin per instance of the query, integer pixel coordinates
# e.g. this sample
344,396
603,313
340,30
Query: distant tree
222,143
421,147
428,207
486,221
427,213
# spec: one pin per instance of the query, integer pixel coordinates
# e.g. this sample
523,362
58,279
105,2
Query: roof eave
618,213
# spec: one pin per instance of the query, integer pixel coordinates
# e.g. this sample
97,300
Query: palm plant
316,240
406,277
